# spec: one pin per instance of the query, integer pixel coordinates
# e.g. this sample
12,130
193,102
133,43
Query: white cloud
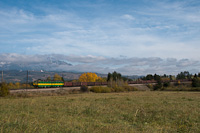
165,30
100,64
128,17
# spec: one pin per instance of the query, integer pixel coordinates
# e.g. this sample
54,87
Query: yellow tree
89,77
57,77
101,79
17,85
11,85
83,77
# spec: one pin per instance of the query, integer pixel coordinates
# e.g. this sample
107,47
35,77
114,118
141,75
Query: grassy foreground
110,112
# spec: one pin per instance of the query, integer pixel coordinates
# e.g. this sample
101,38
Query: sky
133,37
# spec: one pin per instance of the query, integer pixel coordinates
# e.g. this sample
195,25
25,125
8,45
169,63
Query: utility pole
2,76
62,79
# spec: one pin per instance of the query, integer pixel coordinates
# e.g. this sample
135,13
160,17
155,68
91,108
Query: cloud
18,58
128,17
99,64
164,30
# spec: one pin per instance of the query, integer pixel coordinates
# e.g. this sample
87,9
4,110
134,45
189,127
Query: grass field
111,112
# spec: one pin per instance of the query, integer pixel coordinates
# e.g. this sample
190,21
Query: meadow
140,111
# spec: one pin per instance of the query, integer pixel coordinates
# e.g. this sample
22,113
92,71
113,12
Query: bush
181,88
150,86
119,89
106,90
4,90
84,88
158,86
100,89
196,82
166,84
130,88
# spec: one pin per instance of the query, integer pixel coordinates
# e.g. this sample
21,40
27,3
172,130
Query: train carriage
76,84
68,84
91,83
84,83
97,83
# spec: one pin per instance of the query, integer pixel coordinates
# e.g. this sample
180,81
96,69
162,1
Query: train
47,84
51,84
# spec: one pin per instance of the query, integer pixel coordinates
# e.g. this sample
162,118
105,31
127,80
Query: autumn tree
89,77
17,85
11,85
101,79
57,77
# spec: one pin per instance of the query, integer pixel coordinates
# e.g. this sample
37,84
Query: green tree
170,77
149,77
156,77
158,85
109,76
4,90
114,76
184,75
196,82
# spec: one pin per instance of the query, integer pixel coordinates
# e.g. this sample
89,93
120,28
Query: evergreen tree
114,76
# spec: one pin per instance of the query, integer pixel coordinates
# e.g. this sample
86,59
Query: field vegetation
18,85
146,111
177,86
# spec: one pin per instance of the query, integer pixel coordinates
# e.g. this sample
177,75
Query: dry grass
107,112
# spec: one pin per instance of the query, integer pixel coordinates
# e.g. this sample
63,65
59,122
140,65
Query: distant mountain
49,64
21,76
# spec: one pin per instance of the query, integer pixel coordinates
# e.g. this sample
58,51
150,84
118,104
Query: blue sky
144,36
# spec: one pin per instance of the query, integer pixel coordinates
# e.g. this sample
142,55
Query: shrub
150,86
96,89
106,90
166,84
130,88
181,88
84,88
100,89
158,86
4,90
119,89
196,82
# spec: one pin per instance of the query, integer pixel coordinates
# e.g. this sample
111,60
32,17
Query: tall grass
174,87
102,89
103,112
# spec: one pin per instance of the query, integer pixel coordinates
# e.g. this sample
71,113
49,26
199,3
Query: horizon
131,37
